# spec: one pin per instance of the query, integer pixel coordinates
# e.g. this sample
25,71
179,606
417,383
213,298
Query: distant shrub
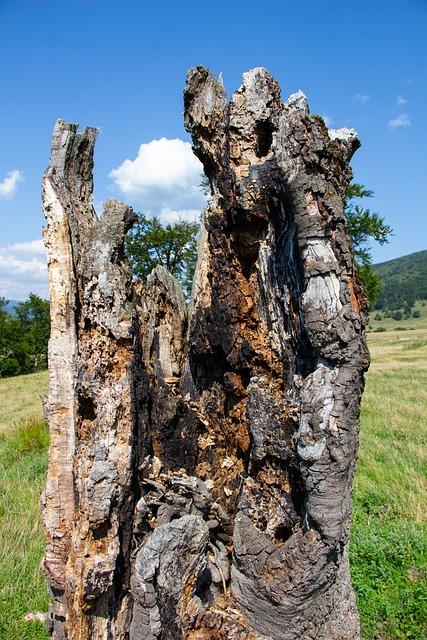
397,315
378,317
417,344
416,313
379,329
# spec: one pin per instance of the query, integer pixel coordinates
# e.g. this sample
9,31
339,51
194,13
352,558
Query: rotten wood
202,458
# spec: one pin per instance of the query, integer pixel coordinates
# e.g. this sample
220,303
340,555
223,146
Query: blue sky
121,66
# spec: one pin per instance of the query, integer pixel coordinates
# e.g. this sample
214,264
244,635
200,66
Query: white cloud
33,247
23,269
164,176
359,97
328,121
9,184
401,100
168,215
402,120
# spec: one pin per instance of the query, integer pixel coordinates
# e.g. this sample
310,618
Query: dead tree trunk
201,459
94,372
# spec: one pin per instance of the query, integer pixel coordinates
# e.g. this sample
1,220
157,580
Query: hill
404,281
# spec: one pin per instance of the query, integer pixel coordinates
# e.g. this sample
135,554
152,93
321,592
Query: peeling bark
202,459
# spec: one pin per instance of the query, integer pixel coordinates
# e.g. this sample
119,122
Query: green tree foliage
364,226
174,246
34,318
24,337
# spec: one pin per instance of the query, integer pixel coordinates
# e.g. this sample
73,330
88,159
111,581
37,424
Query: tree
8,363
174,246
364,225
201,459
407,310
3,304
33,315
24,337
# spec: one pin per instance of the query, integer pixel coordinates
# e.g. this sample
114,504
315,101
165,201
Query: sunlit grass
23,458
20,397
389,545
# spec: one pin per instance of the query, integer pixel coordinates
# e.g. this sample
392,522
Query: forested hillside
404,280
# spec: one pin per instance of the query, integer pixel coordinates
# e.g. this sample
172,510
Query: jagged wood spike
228,515
93,379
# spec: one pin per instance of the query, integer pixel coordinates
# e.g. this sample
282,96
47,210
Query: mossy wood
202,457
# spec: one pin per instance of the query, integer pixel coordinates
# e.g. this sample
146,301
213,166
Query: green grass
23,458
388,543
20,397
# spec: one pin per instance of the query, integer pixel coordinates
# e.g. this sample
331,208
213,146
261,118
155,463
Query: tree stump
202,457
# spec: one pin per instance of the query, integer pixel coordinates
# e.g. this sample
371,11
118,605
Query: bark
202,458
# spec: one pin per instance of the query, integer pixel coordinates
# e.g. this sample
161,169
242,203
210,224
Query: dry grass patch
20,398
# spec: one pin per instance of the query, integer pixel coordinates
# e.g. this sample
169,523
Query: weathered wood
202,459
93,377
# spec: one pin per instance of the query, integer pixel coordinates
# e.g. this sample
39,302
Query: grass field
388,547
23,458
21,398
